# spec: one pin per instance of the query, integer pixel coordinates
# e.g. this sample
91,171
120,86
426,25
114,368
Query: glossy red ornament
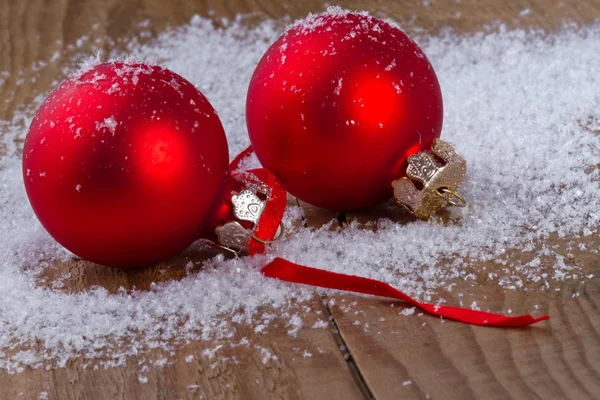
336,106
127,164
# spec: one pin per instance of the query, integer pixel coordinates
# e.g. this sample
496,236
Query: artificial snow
521,107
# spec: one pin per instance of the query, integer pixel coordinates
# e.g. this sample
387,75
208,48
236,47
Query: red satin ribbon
271,217
290,272
235,164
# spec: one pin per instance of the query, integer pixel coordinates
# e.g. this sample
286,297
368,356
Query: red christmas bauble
336,106
125,164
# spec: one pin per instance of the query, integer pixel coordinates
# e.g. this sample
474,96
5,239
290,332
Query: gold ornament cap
440,181
232,236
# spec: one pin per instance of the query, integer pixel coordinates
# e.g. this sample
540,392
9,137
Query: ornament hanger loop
451,197
279,236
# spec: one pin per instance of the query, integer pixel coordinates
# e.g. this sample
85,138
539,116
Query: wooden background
558,359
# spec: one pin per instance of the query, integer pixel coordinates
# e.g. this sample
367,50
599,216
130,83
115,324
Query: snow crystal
338,87
408,311
391,65
86,65
108,123
210,353
320,324
266,353
516,105
295,324
524,12
313,21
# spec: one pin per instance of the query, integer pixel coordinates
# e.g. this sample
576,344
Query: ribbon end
542,318
520,321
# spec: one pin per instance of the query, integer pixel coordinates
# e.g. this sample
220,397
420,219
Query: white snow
408,311
521,108
108,123
320,324
338,87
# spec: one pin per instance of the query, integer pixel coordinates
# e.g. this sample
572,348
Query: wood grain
240,372
554,359
382,351
34,31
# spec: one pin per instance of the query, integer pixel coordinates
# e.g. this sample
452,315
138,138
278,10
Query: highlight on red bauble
124,164
336,106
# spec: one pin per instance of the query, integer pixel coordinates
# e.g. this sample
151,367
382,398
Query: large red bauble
124,164
336,106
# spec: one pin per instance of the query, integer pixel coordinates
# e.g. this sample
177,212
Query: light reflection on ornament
163,154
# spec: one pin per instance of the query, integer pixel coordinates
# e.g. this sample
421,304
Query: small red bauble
125,164
336,106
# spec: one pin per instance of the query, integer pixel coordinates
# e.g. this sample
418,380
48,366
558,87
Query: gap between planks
345,351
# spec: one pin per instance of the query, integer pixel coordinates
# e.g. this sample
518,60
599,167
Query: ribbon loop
263,181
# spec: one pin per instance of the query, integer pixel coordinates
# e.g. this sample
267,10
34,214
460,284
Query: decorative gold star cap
440,181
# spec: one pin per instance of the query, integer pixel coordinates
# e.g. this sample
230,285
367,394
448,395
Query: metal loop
281,232
227,249
450,196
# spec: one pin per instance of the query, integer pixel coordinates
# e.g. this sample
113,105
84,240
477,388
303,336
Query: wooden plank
241,372
36,30
419,355
555,360
414,356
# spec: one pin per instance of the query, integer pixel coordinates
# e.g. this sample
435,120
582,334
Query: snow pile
520,107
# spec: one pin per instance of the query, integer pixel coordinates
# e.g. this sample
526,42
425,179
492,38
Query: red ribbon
235,164
272,214
290,272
